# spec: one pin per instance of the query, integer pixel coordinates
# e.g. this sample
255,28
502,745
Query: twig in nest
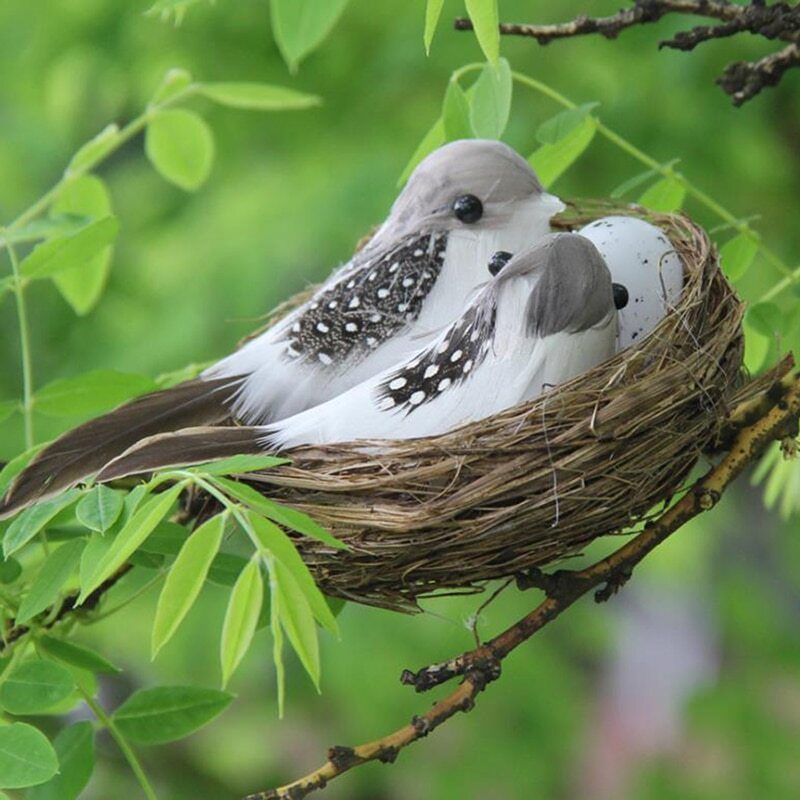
481,666
741,80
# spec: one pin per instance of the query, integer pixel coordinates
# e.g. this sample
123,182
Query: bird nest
537,482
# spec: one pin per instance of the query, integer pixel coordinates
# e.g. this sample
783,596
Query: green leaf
26,756
258,96
556,128
35,686
76,655
637,180
81,288
95,150
16,465
241,617
175,81
280,546
491,100
90,393
277,646
737,255
300,25
166,713
7,408
169,379
180,146
33,519
166,540
53,574
74,747
71,251
485,20
433,11
135,531
185,579
283,515
435,137
238,465
765,318
551,161
297,619
100,508
44,228
455,113
170,9
10,570
665,196
226,568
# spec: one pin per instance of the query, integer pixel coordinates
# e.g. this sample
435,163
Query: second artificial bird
463,202
547,316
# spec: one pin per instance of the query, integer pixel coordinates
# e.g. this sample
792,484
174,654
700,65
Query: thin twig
741,80
481,666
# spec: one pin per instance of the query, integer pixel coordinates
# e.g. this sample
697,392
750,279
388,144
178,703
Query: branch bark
481,666
741,80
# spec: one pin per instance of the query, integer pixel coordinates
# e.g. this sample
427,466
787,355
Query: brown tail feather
182,448
85,449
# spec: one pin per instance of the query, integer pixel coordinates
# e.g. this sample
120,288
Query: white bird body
486,361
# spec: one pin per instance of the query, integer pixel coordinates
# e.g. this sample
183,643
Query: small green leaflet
175,81
226,568
297,619
136,530
95,150
10,570
75,749
556,128
552,160
90,393
168,379
765,318
283,515
486,22
300,25
455,113
7,408
435,137
70,251
26,757
35,686
180,146
238,465
491,100
258,96
737,255
53,574
167,713
76,655
665,196
33,519
637,180
241,617
45,228
87,195
166,540
99,508
277,641
280,546
433,11
185,579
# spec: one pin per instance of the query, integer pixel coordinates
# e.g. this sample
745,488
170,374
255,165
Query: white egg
642,259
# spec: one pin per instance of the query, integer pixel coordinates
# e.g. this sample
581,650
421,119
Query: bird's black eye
620,295
468,208
498,261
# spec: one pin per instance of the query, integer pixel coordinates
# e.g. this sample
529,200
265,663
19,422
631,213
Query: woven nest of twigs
533,484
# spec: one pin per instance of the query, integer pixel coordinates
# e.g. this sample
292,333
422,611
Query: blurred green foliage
288,196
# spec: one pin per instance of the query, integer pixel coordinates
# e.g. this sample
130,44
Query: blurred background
687,685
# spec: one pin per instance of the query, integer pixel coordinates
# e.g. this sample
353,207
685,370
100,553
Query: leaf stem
122,743
791,276
25,348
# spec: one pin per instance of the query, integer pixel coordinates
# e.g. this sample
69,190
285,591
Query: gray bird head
471,184
571,284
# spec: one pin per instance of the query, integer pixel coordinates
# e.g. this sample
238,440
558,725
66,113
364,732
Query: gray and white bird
462,203
547,316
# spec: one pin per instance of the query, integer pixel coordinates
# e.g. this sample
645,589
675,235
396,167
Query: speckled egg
642,259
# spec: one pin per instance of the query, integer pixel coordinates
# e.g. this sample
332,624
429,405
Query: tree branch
741,80
481,666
